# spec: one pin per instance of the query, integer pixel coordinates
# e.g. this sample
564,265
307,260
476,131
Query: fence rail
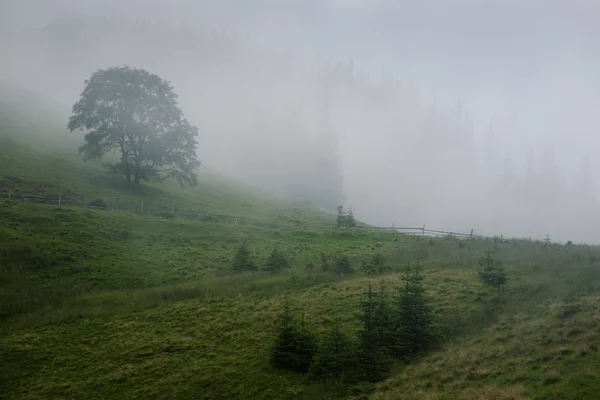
171,212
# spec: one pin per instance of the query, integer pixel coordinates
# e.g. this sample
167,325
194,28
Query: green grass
126,304
47,173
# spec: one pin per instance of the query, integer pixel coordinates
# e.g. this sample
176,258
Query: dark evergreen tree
306,347
242,260
376,265
294,347
372,358
384,321
492,274
368,268
414,330
343,266
276,261
324,262
335,356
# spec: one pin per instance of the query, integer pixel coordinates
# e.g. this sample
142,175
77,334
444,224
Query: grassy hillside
101,298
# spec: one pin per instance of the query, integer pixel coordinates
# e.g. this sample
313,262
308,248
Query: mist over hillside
476,117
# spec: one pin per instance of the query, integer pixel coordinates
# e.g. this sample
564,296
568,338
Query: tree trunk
125,162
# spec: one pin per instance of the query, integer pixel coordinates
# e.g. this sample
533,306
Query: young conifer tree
372,358
242,260
414,330
492,274
335,356
384,320
276,261
294,347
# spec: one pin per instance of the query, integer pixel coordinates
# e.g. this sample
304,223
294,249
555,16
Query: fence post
423,230
142,207
59,198
471,233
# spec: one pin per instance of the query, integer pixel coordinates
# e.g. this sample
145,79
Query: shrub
414,330
276,261
167,214
294,347
343,266
324,262
98,203
571,306
242,260
335,357
491,273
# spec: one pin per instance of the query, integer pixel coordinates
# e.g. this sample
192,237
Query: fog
457,114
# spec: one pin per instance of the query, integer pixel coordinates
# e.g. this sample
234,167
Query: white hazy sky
528,66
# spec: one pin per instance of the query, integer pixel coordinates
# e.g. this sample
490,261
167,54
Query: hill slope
102,297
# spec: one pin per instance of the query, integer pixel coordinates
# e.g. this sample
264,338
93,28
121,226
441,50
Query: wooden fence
144,208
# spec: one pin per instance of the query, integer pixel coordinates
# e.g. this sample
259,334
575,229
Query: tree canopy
134,112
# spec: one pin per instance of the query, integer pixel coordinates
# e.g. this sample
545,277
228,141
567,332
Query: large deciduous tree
134,112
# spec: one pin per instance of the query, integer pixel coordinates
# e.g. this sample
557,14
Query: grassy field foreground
123,303
209,336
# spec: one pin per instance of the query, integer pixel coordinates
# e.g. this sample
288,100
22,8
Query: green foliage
294,347
134,112
335,356
376,265
373,360
98,203
414,330
324,262
491,273
385,323
368,268
342,265
276,261
572,305
243,260
345,219
167,214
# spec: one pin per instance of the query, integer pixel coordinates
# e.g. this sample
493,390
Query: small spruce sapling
294,348
324,262
414,330
343,266
276,261
334,357
242,260
372,358
492,274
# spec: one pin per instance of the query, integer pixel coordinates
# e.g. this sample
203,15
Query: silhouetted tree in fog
134,112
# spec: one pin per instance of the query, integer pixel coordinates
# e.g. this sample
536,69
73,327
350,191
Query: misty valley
297,200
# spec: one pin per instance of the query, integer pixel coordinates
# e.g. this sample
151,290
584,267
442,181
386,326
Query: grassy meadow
122,303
